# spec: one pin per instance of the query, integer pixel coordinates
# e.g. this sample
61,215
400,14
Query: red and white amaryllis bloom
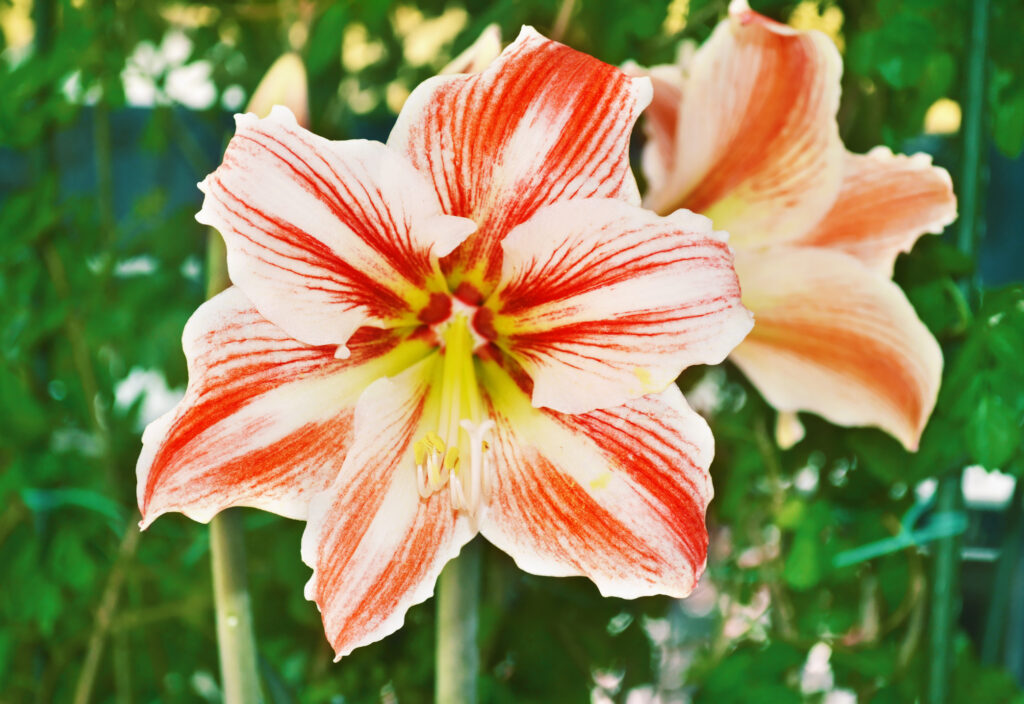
473,328
745,132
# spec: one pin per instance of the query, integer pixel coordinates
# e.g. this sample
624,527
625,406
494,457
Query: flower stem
235,637
458,602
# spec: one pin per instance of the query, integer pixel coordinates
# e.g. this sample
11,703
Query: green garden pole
945,586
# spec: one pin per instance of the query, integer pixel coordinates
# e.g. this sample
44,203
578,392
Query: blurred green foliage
102,264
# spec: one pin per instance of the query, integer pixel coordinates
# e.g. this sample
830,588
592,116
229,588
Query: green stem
458,601
945,586
235,636
105,616
995,621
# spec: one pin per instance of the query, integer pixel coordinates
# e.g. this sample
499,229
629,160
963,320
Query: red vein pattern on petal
837,339
325,237
602,301
542,124
266,420
375,546
616,495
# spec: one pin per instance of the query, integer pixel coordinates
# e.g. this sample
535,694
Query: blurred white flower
192,85
817,673
151,386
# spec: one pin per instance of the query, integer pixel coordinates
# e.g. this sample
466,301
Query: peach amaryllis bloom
473,328
745,132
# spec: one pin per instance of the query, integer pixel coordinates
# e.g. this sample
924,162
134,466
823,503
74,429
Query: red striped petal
266,420
541,124
887,201
757,146
602,301
837,339
325,237
375,546
616,495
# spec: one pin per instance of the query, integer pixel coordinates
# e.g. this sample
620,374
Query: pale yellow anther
419,451
451,459
435,441
434,471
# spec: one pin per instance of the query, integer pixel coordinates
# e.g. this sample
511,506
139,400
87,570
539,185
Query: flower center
456,453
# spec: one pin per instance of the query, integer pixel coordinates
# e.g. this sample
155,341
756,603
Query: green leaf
994,432
325,44
808,558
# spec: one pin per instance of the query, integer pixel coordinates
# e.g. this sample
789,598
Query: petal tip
282,114
643,91
245,119
738,7
528,32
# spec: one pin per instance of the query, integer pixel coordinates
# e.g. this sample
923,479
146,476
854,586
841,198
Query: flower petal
375,546
887,201
837,339
543,123
602,301
757,144
266,420
661,122
616,495
325,237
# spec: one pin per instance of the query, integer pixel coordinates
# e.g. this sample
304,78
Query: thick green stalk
458,602
236,637
945,585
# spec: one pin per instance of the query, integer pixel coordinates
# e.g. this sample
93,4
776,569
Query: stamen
478,447
461,430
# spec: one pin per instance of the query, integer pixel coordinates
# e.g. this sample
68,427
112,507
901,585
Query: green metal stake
973,138
1009,554
945,586
945,590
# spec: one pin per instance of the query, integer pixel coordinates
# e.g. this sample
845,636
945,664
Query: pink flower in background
473,328
745,133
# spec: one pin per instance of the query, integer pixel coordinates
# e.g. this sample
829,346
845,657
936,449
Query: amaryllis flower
745,132
473,328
